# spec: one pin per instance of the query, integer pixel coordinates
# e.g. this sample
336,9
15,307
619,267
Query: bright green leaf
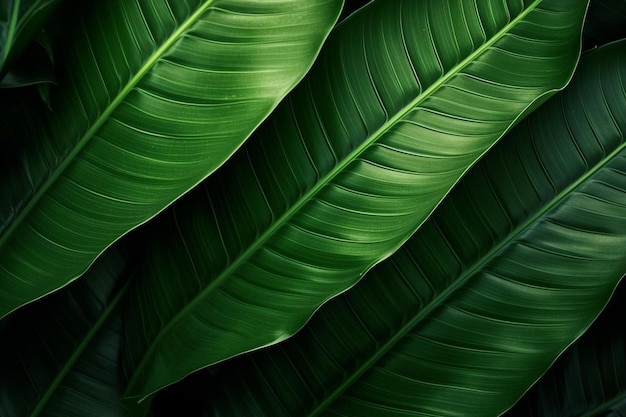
60,356
589,379
403,99
153,96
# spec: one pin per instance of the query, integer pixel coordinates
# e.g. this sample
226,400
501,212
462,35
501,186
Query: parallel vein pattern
156,95
511,268
394,111
589,379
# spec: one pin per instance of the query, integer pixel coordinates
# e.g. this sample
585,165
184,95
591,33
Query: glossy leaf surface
155,95
403,99
589,379
511,268
60,356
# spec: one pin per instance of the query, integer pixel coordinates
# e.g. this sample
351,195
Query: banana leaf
403,99
60,356
604,22
513,266
153,96
589,379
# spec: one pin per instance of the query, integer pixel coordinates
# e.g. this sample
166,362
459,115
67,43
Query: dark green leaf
350,6
60,356
511,268
589,379
404,98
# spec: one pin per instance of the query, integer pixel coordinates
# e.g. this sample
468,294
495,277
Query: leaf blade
284,236
130,130
456,323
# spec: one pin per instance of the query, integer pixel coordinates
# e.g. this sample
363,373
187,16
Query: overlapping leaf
154,95
513,266
590,378
60,357
404,98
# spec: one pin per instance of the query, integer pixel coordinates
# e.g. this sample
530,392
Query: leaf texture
60,356
156,94
589,379
404,98
513,266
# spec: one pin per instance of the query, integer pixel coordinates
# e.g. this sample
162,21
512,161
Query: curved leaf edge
459,283
605,329
6,236
564,350
546,208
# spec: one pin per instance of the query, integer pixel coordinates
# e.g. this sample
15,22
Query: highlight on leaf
417,229
397,107
513,266
152,97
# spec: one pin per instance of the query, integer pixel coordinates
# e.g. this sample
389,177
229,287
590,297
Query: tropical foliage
154,97
590,378
451,221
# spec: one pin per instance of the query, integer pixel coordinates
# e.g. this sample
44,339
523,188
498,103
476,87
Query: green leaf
511,268
20,21
589,379
154,95
605,22
403,99
60,356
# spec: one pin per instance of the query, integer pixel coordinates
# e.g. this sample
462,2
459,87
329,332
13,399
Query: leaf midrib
326,179
104,116
440,299
76,354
